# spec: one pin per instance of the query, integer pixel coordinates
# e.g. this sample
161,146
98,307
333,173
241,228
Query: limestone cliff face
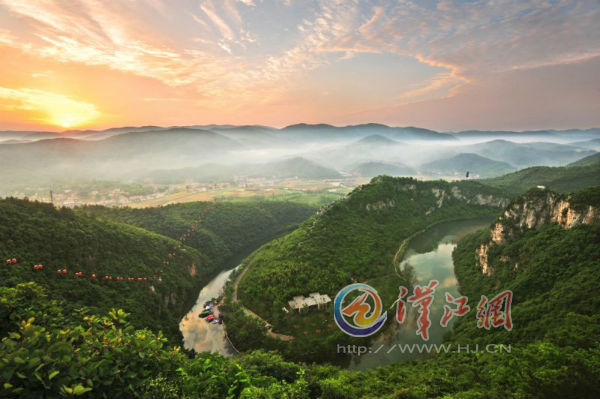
531,211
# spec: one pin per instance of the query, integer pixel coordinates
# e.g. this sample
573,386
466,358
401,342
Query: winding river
430,256
200,335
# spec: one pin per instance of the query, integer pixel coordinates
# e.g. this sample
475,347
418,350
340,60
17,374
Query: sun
70,115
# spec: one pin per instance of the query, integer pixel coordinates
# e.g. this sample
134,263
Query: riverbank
429,257
250,313
197,334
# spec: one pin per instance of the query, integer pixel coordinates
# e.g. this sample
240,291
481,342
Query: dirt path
250,313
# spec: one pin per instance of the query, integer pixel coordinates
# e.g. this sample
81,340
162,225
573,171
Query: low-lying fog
219,153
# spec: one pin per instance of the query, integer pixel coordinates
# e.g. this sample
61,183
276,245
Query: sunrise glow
100,64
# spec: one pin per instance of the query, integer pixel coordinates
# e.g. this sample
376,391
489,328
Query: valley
324,199
142,258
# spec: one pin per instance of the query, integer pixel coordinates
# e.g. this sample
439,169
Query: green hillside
354,239
48,351
133,243
36,233
223,229
554,285
587,161
576,176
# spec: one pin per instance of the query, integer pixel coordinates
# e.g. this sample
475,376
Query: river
200,335
430,256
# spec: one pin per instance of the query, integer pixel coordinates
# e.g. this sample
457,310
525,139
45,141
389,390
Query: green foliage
562,179
225,229
585,198
352,240
59,238
52,348
105,241
105,355
554,284
537,370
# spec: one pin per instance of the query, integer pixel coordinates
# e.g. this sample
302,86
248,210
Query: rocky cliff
534,209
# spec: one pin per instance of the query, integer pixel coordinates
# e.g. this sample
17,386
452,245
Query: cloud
217,21
441,85
48,107
233,53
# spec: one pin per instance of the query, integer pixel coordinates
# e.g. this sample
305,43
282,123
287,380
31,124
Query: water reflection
203,336
430,257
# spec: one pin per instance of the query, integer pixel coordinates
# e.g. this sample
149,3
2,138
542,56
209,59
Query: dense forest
47,352
224,229
564,179
106,242
552,272
352,240
61,337
49,349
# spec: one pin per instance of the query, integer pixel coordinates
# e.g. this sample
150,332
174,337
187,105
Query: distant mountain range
318,130
573,177
213,152
475,164
529,154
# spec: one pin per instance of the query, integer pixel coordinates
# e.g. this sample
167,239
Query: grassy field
307,192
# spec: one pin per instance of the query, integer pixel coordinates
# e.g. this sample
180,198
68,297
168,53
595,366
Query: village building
313,300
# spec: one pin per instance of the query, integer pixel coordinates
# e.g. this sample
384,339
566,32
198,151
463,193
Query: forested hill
48,351
545,247
573,177
352,240
218,230
36,233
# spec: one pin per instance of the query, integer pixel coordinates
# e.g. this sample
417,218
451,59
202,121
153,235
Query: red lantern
64,271
59,271
140,279
94,276
8,261
14,261
106,278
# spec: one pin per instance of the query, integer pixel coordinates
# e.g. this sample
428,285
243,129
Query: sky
446,65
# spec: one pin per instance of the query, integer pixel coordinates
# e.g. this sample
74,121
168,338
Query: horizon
209,125
448,66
